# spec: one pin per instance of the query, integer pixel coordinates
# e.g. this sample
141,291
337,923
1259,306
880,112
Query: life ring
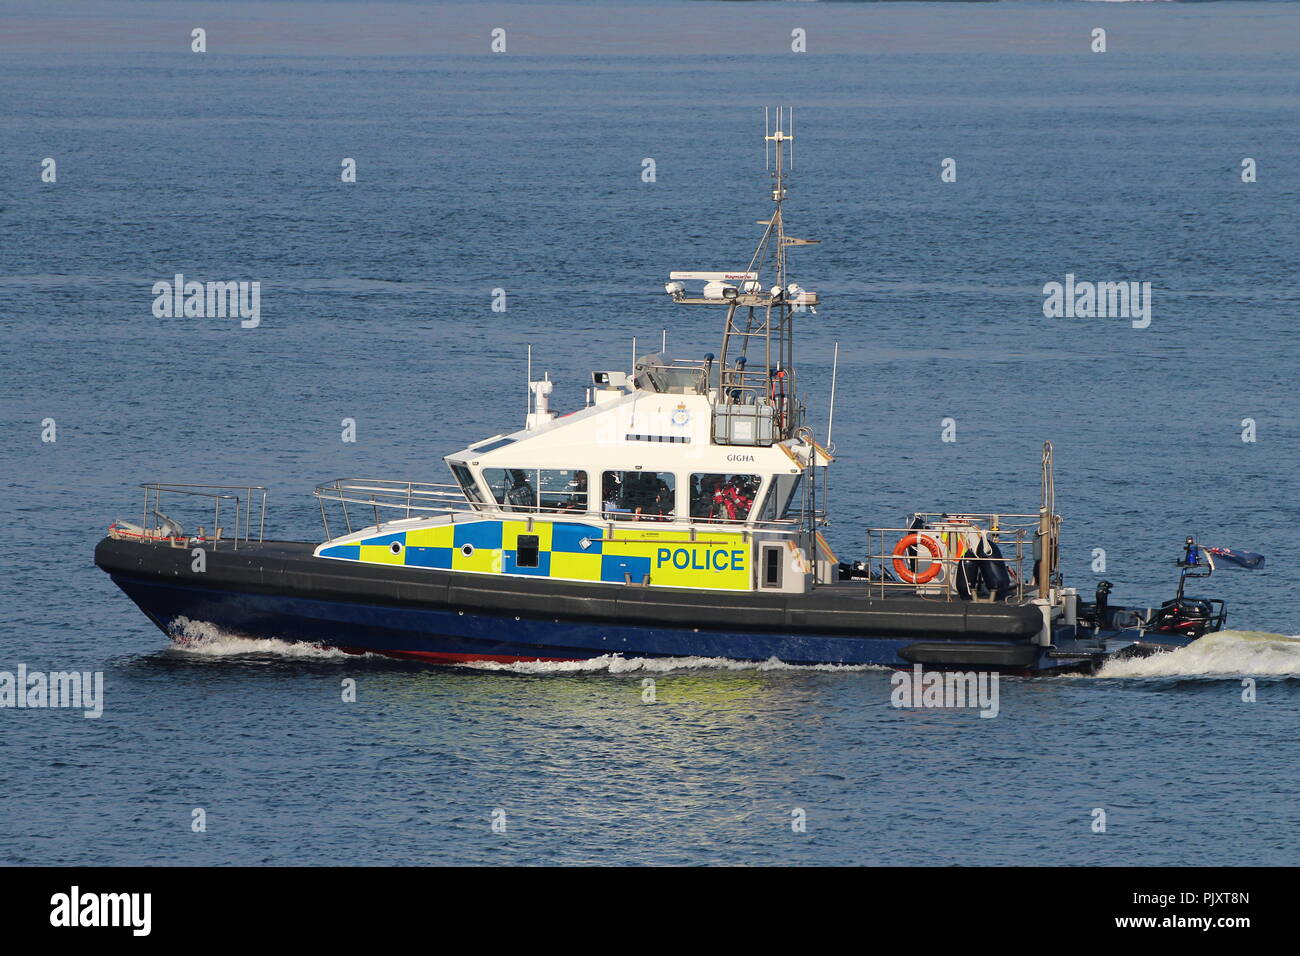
900,565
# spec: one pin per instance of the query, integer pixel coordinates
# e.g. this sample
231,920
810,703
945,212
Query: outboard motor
1100,614
1101,610
1189,617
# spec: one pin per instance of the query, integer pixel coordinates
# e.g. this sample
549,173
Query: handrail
157,527
1010,531
958,515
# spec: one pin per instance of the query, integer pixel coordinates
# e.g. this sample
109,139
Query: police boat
678,514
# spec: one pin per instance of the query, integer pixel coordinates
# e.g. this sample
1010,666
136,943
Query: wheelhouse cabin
652,483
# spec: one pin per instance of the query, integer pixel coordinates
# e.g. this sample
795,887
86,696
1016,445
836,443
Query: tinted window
513,487
465,479
531,489
639,495
723,497
783,499
562,489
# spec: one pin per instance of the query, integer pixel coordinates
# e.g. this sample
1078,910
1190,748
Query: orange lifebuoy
900,565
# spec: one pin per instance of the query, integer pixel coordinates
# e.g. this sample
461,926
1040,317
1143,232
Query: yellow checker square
439,536
482,560
382,554
575,567
511,530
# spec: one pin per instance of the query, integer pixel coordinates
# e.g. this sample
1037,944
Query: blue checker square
569,537
613,568
480,534
429,558
352,551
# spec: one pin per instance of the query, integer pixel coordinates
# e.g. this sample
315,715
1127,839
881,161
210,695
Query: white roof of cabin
597,438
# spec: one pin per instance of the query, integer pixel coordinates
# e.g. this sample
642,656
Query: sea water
524,172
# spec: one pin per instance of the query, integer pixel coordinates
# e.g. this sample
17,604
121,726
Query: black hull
278,589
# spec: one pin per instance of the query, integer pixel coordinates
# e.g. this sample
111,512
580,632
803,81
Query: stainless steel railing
382,496
157,527
953,532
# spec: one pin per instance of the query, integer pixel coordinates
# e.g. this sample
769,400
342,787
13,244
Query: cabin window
771,565
513,487
783,501
526,550
562,489
538,489
639,495
723,497
465,478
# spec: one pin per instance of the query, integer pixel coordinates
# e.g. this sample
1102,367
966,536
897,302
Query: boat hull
279,590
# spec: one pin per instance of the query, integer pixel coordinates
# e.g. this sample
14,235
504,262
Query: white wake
208,640
614,664
1227,653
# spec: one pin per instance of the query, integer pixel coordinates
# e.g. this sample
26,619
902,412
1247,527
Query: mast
759,326
757,400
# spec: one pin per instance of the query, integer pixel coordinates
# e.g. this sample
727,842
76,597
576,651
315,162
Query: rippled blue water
523,172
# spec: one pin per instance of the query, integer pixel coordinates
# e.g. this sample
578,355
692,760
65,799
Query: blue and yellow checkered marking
565,550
